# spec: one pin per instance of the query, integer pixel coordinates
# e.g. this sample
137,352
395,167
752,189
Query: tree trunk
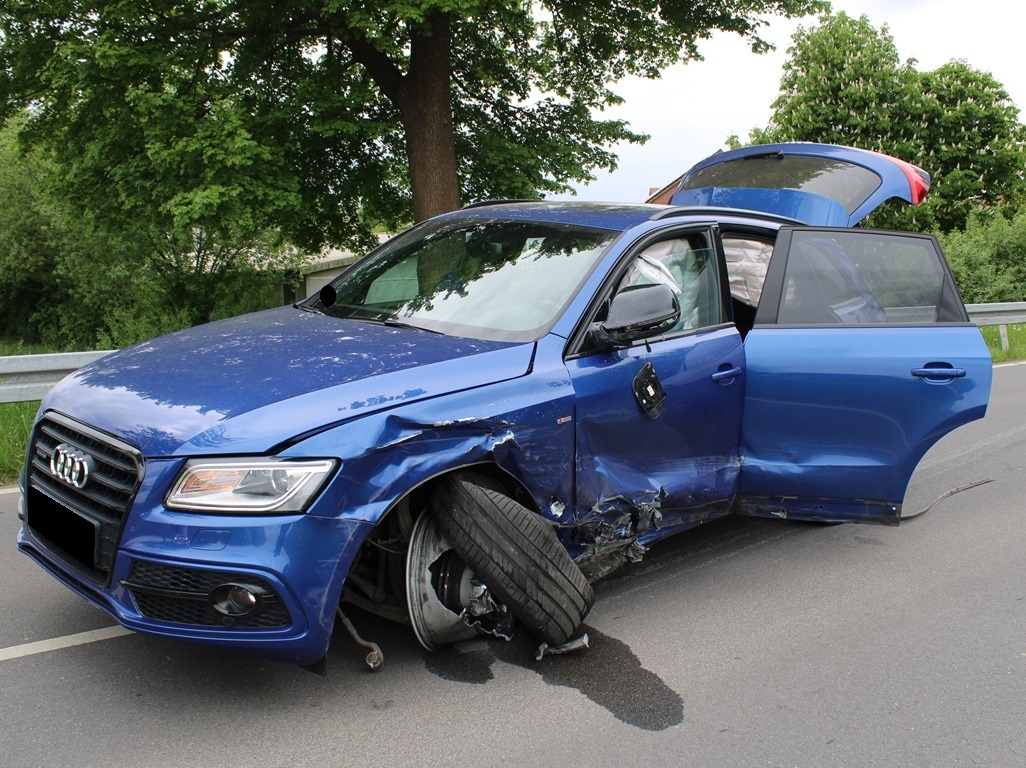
423,96
425,106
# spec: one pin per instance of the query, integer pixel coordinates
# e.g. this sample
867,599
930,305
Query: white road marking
68,641
10,489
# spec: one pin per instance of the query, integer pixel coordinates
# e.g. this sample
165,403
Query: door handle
939,374
730,373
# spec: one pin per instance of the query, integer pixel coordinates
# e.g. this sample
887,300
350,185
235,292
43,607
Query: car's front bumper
169,565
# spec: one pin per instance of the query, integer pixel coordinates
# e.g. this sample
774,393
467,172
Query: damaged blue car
503,404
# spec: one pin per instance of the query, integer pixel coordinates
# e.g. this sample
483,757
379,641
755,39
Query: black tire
516,553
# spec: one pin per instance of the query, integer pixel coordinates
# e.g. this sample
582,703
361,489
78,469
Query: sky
691,111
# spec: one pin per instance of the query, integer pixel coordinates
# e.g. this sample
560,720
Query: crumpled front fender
525,427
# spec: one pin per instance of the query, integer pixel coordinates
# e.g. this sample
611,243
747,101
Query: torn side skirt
820,510
604,557
618,531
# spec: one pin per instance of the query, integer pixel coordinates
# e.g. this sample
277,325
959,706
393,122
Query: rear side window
862,277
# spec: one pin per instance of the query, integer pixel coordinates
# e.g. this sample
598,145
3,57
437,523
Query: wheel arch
396,519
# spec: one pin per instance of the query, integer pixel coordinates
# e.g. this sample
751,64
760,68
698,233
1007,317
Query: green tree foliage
844,83
26,239
71,283
40,241
972,141
988,257
215,121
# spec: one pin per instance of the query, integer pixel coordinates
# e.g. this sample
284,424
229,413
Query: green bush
153,309
988,258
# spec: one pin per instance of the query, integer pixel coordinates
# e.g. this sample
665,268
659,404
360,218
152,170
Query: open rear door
861,358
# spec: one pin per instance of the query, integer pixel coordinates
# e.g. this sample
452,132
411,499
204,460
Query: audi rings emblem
70,466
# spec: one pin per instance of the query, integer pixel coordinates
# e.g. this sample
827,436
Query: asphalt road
744,643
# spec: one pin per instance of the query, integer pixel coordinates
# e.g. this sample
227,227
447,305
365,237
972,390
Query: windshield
486,279
848,184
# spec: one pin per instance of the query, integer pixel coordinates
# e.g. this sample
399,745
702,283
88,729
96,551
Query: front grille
182,596
81,525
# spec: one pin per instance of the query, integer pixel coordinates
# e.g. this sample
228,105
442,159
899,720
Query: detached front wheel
516,553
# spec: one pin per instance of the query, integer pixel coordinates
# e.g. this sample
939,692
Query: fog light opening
235,600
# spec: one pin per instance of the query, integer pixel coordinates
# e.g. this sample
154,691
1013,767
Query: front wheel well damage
407,570
516,553
376,581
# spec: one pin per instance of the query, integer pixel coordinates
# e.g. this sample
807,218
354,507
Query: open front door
861,358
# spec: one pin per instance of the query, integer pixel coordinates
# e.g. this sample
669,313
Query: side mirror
637,312
328,295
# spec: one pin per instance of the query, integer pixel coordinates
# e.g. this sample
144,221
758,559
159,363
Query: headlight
248,486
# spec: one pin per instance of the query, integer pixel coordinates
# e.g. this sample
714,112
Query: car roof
613,216
618,217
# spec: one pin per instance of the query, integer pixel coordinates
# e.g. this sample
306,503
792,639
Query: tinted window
848,184
861,277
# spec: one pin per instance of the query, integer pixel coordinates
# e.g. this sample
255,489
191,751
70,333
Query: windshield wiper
395,322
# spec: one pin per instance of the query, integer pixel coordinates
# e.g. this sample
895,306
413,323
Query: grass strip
15,424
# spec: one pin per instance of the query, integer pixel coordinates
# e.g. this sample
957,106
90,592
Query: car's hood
247,384
818,184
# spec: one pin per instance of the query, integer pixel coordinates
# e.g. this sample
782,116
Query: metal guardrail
24,378
997,314
1000,314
